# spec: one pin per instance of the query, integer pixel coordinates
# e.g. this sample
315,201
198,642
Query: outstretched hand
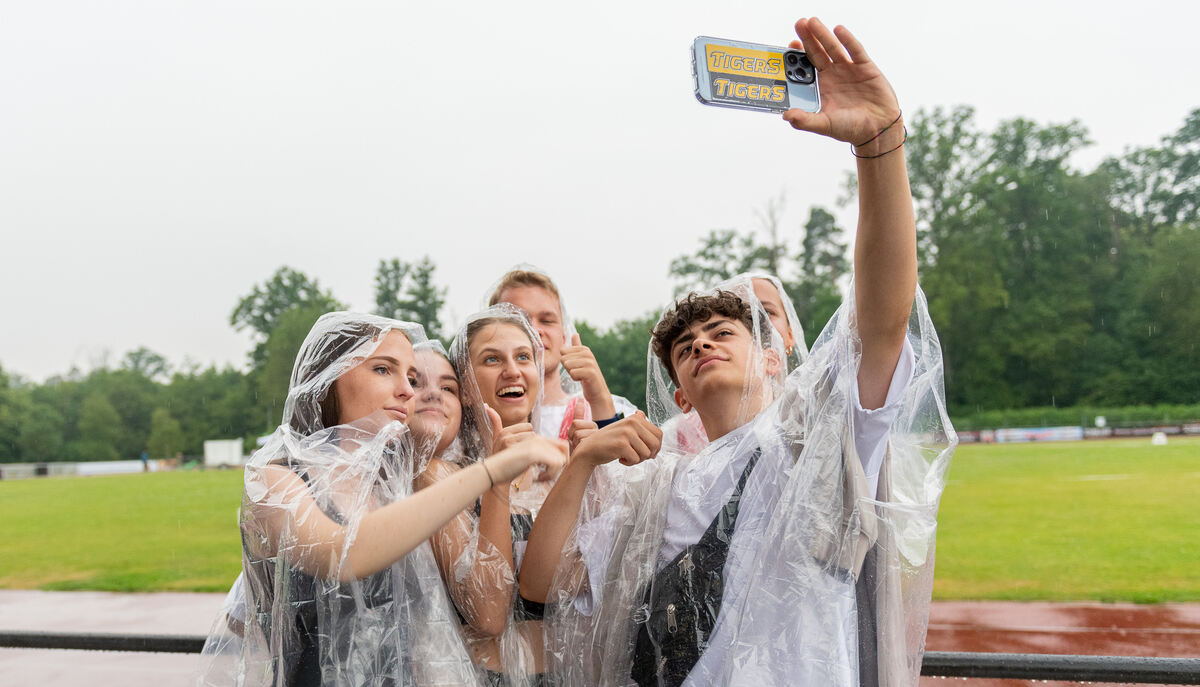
857,102
630,441
549,465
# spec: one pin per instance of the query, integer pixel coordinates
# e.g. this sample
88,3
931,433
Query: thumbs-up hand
503,437
581,365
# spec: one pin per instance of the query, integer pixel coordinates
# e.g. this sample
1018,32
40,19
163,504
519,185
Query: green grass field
1115,520
1110,520
159,531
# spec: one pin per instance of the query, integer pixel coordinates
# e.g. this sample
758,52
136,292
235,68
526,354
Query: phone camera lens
799,69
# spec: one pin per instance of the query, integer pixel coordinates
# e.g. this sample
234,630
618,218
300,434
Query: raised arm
281,502
858,106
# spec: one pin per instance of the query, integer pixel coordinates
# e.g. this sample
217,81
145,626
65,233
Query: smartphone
751,76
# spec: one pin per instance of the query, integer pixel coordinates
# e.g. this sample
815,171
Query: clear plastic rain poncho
552,418
765,558
477,573
683,432
308,618
799,351
512,656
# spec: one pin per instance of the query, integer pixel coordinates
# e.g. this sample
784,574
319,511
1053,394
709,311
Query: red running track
1171,630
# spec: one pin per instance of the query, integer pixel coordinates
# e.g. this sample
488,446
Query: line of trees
142,404
1050,286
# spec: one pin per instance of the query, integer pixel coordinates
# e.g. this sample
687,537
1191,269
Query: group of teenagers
491,514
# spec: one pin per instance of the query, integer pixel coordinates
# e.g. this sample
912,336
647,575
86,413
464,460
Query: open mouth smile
511,393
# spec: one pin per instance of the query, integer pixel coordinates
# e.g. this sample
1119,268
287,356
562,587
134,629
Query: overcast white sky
159,158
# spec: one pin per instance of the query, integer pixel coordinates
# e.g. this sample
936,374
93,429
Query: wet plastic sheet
827,583
482,577
684,432
306,616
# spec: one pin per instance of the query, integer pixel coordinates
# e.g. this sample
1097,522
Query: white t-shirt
702,486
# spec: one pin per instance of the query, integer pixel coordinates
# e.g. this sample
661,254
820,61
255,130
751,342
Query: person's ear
773,362
682,401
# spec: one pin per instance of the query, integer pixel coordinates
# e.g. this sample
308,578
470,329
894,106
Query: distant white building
223,453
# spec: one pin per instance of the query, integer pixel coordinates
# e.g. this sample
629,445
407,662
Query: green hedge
1117,416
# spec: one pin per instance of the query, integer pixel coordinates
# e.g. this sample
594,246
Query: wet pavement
1101,629
1171,630
161,613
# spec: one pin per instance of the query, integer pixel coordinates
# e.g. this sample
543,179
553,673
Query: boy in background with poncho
797,546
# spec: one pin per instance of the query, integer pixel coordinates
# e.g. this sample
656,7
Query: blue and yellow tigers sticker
744,76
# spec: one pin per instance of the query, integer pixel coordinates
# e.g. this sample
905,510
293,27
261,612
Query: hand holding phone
831,87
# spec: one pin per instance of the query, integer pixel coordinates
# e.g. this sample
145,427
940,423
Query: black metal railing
167,644
1126,669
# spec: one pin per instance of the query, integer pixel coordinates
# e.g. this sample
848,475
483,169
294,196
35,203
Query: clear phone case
752,76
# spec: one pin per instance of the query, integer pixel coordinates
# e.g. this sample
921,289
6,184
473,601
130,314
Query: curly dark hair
689,310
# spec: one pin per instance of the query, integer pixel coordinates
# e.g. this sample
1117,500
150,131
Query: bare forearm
554,523
389,533
885,262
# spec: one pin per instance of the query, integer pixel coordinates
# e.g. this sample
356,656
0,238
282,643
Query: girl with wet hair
336,569
479,577
571,374
498,358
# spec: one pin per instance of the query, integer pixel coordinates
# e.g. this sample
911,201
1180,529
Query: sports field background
1115,520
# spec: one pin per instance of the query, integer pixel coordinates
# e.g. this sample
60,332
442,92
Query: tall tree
99,430
1161,321
1016,257
822,263
266,303
1159,186
772,254
280,350
40,437
146,363
423,300
722,254
407,292
166,436
389,284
